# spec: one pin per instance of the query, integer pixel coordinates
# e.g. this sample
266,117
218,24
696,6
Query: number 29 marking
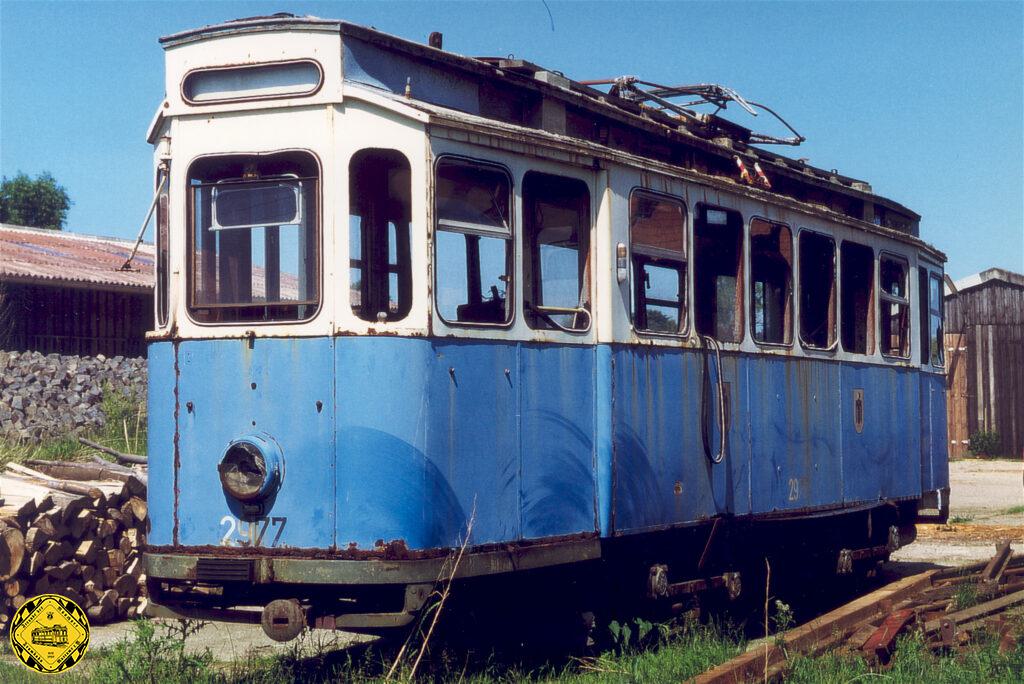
251,532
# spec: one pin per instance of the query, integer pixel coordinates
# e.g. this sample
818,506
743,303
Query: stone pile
45,396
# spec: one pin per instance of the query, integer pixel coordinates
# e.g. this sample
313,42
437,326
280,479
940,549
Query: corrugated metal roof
53,256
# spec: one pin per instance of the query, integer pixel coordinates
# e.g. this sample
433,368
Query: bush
985,443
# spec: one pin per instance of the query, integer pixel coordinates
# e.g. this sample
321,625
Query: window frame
872,313
684,330
319,239
941,311
791,294
161,243
831,348
741,271
408,282
531,252
251,98
511,291
883,296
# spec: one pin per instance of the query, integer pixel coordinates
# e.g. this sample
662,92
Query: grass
124,430
677,653
961,519
1016,510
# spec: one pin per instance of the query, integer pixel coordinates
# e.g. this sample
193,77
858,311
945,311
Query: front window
894,306
657,235
473,243
255,238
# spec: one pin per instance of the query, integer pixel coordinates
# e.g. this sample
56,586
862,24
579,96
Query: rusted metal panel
59,257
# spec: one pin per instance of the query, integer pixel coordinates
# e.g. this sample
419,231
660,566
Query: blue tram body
406,448
321,454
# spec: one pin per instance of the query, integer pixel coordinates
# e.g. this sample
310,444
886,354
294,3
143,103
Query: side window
556,265
473,243
718,273
380,280
935,320
894,306
856,311
255,238
771,278
657,234
162,251
817,290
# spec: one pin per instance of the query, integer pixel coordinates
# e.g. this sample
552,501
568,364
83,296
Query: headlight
250,468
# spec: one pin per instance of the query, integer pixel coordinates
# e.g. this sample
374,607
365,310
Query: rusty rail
871,624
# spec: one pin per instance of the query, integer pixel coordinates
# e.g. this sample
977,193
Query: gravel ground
986,505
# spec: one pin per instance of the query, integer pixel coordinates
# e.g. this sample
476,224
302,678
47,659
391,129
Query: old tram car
402,293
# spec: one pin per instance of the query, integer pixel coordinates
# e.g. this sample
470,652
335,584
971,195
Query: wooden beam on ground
751,665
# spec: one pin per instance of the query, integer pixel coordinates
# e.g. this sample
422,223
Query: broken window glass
894,306
657,232
380,270
473,243
771,276
718,273
255,238
817,290
857,273
556,265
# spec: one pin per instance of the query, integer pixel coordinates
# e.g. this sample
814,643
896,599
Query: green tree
39,202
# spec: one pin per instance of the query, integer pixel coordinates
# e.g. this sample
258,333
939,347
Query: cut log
115,559
68,470
137,506
12,552
106,527
62,485
15,586
126,585
56,552
83,520
100,614
124,458
110,576
36,562
37,538
60,573
86,552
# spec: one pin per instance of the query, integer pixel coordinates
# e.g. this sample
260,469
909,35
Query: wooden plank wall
75,321
985,365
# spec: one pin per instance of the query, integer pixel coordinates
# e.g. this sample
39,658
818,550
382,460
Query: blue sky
923,100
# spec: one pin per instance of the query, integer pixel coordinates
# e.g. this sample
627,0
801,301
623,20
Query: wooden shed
984,323
64,292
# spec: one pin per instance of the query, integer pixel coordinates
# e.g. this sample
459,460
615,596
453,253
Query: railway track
949,607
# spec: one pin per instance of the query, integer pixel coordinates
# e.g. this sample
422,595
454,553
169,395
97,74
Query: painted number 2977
252,533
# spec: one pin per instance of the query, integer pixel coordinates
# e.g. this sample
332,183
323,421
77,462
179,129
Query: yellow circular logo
50,633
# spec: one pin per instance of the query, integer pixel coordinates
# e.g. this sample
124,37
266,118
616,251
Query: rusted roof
58,257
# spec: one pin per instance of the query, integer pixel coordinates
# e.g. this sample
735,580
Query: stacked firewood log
74,529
